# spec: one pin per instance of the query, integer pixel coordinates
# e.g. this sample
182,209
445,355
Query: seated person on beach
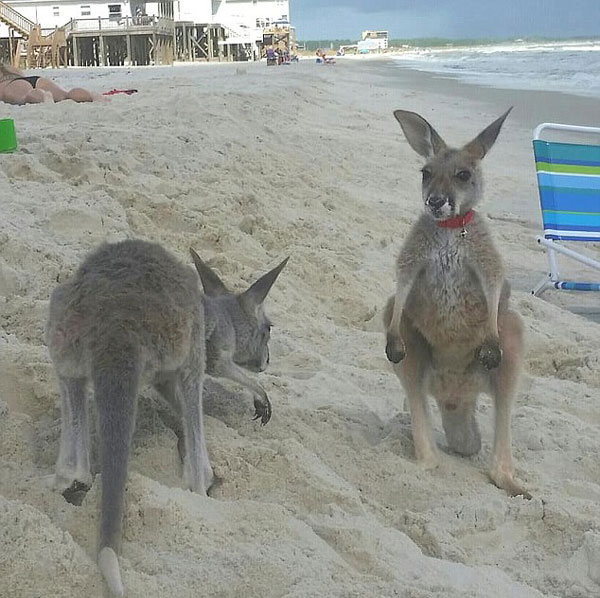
326,59
17,88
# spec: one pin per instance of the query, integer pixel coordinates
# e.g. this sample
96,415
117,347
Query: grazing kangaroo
449,329
132,313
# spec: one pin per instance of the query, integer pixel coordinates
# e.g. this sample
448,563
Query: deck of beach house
41,33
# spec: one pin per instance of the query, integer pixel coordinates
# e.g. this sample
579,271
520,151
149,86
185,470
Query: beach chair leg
552,264
541,286
552,276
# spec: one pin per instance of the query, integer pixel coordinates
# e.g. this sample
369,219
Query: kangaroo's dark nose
436,201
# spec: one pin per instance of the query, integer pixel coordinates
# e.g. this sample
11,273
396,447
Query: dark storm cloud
447,18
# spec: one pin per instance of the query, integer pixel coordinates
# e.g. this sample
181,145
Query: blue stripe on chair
568,181
550,151
568,162
571,201
577,221
550,221
577,286
556,236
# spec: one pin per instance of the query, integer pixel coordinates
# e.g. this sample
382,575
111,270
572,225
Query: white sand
248,165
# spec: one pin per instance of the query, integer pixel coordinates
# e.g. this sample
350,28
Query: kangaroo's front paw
75,493
262,409
395,349
489,354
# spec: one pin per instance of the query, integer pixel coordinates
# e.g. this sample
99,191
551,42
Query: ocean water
571,67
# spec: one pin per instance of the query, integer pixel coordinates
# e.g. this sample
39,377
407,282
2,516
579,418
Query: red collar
457,221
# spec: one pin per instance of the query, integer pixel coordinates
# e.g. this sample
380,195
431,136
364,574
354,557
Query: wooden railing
15,19
152,24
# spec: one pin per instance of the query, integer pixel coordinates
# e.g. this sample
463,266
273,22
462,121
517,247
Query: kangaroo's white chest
448,274
448,302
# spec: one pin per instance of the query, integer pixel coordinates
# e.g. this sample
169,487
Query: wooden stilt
102,50
75,52
129,56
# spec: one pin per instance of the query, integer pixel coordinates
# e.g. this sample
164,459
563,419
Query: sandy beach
249,164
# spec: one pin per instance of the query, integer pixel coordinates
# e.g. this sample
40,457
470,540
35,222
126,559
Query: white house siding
51,14
196,11
248,13
239,15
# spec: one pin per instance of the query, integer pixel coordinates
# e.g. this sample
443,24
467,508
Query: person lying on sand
17,88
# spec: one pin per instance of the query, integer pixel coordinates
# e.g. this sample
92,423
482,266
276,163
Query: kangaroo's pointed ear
421,136
257,293
211,283
482,144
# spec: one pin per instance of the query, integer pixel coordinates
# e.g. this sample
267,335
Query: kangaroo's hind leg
171,414
504,382
73,474
198,471
412,371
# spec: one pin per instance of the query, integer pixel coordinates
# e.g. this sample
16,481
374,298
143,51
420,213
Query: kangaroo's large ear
257,293
421,136
482,144
211,283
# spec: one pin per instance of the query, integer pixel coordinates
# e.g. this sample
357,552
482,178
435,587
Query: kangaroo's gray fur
450,332
131,314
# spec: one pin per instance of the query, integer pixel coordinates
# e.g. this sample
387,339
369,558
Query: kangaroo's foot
262,409
395,349
76,492
504,479
489,354
429,462
202,483
209,478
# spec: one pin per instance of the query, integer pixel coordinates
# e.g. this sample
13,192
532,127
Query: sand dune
248,165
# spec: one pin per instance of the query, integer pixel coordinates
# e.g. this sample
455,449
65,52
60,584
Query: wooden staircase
15,20
19,24
42,50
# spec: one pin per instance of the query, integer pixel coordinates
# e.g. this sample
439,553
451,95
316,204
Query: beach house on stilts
39,33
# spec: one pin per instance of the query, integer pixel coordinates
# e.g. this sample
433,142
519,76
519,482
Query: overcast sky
329,19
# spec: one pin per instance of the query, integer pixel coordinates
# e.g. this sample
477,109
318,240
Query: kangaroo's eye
426,173
463,175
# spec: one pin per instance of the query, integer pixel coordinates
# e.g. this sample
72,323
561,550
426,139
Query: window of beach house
114,11
56,11
86,11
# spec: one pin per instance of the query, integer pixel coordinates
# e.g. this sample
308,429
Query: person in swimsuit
16,88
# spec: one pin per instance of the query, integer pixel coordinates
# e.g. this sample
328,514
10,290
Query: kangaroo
450,332
133,313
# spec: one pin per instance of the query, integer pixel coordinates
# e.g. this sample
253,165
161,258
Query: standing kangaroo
133,313
449,328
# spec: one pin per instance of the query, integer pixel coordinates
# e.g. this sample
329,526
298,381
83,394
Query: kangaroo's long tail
116,380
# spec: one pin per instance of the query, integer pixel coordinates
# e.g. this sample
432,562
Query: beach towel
112,92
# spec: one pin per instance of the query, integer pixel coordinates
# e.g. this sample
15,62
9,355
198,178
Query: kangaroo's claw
489,354
395,350
262,410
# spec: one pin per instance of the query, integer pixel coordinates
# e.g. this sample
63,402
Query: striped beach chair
568,176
